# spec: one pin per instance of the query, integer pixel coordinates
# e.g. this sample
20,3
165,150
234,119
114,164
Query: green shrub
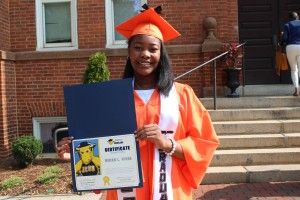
25,150
96,70
11,182
47,177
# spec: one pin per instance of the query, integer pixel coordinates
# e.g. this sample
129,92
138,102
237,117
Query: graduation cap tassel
158,9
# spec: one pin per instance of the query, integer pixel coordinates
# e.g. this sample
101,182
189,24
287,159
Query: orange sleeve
198,140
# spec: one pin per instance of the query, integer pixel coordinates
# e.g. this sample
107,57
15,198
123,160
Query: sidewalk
85,196
238,191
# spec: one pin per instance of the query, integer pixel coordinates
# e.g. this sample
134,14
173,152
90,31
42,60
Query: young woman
291,37
175,133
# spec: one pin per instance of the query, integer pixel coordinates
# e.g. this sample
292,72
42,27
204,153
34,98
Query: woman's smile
144,64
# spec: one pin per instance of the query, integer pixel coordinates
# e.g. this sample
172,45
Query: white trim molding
37,121
110,26
40,27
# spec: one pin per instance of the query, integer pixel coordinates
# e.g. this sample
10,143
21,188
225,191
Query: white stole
169,112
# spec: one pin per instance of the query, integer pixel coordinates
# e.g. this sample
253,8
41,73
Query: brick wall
8,112
186,16
22,25
37,78
4,25
91,24
40,88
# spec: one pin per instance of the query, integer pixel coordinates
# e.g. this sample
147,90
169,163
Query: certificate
105,162
101,118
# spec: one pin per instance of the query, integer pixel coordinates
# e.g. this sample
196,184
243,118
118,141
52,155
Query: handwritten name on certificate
105,162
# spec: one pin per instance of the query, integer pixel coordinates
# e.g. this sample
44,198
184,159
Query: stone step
257,126
253,90
255,114
247,157
267,90
259,141
252,174
259,135
251,102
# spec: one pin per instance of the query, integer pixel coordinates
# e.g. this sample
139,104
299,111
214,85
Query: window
116,12
56,24
43,128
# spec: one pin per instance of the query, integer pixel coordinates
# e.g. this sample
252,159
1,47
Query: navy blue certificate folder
106,107
98,110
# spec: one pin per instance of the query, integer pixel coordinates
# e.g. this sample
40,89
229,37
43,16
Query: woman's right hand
63,148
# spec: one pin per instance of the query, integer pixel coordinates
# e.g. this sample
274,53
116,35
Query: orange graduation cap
150,23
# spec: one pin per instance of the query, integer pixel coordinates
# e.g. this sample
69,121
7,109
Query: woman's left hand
152,133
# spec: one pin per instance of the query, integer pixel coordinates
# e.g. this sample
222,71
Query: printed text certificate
105,162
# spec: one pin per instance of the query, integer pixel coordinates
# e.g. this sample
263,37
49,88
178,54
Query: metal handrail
215,72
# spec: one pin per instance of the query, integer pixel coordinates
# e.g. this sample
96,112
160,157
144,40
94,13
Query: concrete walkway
85,196
239,191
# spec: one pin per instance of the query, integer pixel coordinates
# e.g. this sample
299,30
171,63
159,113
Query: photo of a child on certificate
105,162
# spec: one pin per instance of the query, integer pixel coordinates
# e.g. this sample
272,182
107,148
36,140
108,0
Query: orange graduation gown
196,135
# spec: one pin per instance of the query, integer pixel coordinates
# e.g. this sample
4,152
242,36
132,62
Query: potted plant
233,60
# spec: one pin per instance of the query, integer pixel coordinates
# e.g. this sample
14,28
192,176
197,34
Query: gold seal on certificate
105,162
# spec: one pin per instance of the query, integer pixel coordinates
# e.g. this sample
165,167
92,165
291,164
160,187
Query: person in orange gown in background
175,133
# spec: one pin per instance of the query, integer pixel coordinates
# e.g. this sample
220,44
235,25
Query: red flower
234,55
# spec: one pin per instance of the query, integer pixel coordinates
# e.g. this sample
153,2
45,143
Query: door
258,26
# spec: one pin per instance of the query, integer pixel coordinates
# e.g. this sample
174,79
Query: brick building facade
32,81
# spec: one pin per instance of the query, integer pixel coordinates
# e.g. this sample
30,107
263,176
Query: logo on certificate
115,141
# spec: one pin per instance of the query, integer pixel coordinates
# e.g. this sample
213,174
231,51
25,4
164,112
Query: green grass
49,175
11,182
53,169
